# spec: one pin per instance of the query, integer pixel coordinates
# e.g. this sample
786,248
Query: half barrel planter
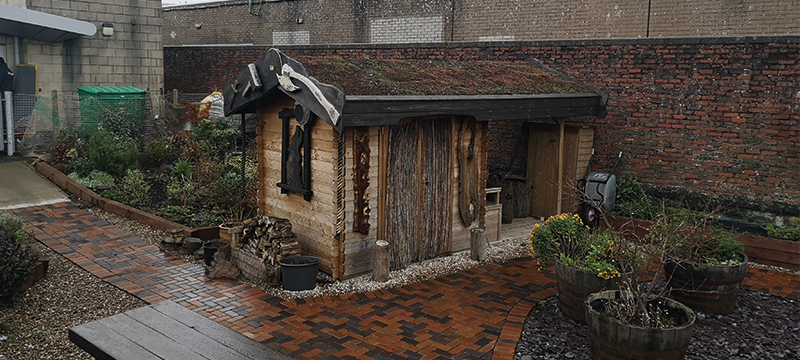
708,289
574,285
611,339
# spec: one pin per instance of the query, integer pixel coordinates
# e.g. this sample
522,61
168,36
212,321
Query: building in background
60,45
313,22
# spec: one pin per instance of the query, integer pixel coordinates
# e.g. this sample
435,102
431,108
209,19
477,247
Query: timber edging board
67,184
165,331
759,249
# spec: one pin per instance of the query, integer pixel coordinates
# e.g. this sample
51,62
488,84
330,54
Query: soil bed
762,327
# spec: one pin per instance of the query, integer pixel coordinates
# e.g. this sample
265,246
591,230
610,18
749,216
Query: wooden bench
165,331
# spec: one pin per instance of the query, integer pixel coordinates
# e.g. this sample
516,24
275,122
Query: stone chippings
36,323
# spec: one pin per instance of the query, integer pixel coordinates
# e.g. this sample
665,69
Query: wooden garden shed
371,149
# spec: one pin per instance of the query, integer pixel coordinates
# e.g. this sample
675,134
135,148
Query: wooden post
560,184
380,269
477,244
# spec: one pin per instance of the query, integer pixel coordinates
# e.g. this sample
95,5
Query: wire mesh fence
39,119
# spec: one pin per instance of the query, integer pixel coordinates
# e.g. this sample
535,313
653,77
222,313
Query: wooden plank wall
312,221
358,247
543,169
460,233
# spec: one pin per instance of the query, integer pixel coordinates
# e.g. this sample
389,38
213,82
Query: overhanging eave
35,25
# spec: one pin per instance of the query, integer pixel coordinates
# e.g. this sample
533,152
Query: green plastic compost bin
109,103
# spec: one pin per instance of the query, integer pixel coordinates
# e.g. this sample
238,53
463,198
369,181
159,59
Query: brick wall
350,21
714,115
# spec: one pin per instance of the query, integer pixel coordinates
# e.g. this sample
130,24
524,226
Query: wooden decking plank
104,343
142,334
226,336
206,344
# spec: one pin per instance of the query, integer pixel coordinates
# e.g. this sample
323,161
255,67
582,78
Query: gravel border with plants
36,324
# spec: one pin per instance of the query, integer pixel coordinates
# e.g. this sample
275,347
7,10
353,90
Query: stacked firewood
269,238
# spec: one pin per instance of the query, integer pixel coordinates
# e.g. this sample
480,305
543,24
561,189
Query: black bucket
299,272
208,252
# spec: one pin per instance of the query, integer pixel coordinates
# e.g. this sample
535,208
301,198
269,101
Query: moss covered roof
432,77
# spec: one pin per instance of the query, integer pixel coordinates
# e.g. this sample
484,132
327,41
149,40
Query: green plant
133,190
632,201
181,192
175,211
112,155
786,233
16,264
159,151
121,123
565,238
183,170
95,179
10,224
225,190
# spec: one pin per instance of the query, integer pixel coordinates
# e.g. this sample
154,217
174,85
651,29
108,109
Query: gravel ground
762,327
36,323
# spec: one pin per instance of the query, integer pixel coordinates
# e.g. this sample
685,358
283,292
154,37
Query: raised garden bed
760,249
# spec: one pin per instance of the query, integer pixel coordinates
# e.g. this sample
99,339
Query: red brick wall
712,115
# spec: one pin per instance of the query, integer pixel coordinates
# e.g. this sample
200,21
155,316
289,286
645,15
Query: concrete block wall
713,115
354,21
133,56
326,21
406,30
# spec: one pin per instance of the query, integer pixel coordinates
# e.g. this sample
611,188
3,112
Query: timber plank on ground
165,331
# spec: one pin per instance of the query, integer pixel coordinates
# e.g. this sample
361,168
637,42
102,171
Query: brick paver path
474,314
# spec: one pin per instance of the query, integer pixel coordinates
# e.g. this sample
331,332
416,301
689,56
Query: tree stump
477,244
380,270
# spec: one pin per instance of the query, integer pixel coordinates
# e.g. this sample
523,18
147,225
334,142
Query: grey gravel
36,323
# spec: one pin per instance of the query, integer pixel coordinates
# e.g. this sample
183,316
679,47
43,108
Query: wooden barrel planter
611,339
708,289
574,285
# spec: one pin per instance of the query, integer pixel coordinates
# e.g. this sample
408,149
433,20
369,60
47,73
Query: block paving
473,314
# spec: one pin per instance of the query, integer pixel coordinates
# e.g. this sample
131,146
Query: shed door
419,190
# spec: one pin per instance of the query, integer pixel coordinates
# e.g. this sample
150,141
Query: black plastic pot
208,252
299,272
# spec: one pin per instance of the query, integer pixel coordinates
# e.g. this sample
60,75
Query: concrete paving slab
21,186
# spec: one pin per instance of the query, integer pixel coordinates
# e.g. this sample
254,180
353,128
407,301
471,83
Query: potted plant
585,263
638,321
299,272
707,271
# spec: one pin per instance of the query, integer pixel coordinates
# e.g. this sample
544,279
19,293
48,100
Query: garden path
478,313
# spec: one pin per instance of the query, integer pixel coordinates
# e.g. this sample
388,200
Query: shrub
182,170
121,123
133,190
226,190
180,192
10,224
786,233
81,165
560,236
632,201
159,151
95,179
111,155
16,264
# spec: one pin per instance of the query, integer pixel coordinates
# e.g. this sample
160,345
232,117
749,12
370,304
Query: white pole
2,122
9,122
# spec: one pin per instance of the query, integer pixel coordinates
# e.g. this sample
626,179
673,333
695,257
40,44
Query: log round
708,289
611,339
